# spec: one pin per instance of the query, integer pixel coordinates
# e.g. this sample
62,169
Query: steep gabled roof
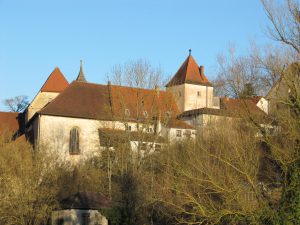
81,100
189,73
111,102
56,82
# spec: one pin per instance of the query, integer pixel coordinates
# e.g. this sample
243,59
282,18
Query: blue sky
36,36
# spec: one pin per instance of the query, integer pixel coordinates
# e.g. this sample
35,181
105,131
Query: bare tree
285,22
261,68
17,104
139,73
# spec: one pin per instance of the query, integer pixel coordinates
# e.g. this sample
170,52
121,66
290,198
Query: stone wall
77,217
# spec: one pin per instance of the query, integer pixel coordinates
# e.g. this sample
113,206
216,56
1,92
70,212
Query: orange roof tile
141,103
9,122
110,102
241,108
56,82
189,73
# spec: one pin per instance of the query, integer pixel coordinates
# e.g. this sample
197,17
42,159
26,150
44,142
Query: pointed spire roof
189,73
80,76
56,82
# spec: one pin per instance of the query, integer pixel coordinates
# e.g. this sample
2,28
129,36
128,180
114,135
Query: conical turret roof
81,76
189,73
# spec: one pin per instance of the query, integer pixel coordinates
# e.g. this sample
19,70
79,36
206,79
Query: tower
190,87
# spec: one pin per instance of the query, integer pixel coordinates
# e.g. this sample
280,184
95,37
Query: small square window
149,130
178,133
127,127
198,93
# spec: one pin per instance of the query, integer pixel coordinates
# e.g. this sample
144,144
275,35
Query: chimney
201,70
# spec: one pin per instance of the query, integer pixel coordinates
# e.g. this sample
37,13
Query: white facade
53,134
192,96
263,104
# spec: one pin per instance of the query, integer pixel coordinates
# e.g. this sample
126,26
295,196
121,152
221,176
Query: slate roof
9,122
85,200
56,82
189,73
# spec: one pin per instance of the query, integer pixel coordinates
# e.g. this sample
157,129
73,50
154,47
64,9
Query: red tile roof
81,100
9,122
241,108
255,99
189,73
111,102
56,82
142,104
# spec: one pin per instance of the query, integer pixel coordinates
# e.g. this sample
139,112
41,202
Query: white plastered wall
193,101
263,104
54,134
187,98
40,100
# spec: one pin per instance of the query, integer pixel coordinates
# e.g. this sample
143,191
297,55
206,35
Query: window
74,142
60,221
145,114
127,127
198,93
127,112
168,114
85,218
149,130
178,133
157,147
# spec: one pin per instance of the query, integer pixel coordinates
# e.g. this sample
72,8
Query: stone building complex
78,119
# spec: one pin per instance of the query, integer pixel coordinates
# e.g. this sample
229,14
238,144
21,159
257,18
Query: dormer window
168,114
127,112
145,114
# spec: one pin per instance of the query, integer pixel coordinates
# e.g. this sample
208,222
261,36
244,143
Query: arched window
74,141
